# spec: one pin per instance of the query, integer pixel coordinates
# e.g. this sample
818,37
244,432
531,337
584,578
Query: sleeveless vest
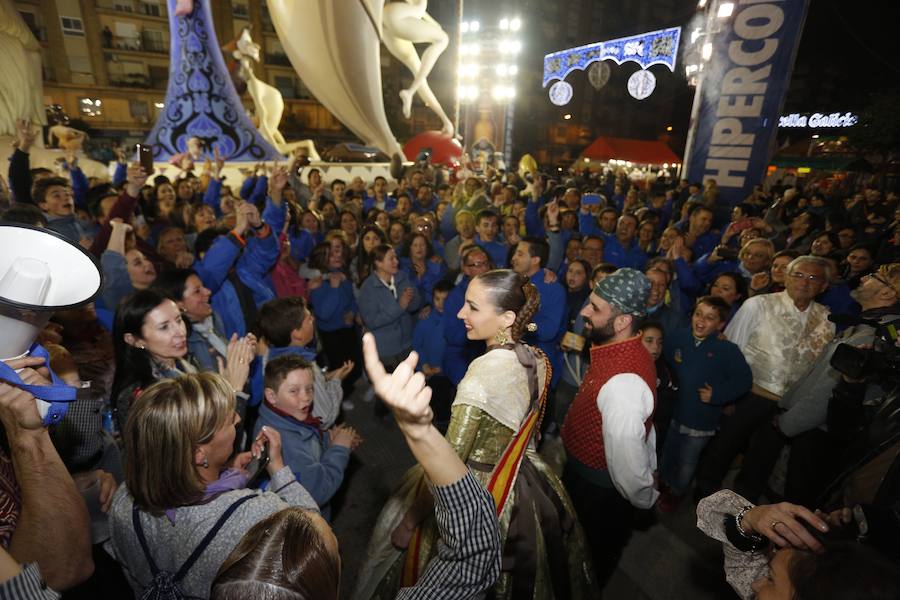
582,431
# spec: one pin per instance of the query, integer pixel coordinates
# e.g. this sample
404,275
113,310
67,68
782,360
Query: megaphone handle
57,394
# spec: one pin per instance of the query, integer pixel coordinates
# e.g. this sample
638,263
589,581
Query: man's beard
601,335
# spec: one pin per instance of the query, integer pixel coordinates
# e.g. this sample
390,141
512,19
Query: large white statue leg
405,52
342,71
409,21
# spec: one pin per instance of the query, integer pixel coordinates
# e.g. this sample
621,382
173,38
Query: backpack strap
209,537
136,522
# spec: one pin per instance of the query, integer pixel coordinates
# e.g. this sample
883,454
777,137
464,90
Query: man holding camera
802,423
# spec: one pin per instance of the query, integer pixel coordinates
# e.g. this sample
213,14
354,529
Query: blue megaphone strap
57,394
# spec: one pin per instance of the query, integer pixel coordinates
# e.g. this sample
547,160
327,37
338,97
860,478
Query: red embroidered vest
582,431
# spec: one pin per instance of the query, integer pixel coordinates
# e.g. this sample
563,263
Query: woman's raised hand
404,390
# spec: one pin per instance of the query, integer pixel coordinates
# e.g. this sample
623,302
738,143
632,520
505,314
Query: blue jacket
620,256
434,272
253,266
318,465
498,251
213,271
391,325
459,350
428,339
716,362
551,319
330,304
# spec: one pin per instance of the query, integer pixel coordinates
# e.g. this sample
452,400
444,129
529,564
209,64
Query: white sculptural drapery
407,23
21,85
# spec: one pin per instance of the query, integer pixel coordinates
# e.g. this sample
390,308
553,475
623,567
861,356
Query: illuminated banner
647,49
819,121
743,90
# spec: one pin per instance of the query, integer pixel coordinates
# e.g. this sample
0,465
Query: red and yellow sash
502,479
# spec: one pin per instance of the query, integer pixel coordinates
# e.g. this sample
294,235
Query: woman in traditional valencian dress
496,417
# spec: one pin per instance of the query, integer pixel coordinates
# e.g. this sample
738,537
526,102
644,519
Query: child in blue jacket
316,455
712,373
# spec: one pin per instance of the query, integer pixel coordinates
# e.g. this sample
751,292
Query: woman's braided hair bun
510,291
528,310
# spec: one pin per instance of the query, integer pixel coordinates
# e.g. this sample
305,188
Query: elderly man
608,432
805,405
780,335
622,248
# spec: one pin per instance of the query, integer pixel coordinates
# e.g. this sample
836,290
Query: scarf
310,421
207,331
229,480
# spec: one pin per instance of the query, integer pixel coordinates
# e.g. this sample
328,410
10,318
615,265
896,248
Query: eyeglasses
807,276
477,264
878,278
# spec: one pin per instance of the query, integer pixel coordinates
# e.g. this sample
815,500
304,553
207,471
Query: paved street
668,559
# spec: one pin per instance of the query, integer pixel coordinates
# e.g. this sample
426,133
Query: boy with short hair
712,373
287,326
317,454
487,225
429,343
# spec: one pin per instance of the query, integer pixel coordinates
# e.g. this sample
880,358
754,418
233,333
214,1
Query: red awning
642,152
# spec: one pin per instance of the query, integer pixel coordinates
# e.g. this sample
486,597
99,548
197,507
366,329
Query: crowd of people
657,340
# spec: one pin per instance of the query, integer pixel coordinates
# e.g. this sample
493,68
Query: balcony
142,43
277,58
134,7
136,80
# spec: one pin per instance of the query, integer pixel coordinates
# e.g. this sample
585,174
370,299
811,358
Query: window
140,111
90,107
286,86
72,26
150,8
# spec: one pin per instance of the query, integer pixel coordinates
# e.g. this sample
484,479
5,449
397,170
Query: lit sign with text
819,120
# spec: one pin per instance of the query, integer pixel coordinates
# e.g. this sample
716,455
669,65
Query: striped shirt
27,585
467,563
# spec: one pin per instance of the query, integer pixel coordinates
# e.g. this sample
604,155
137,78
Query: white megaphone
41,272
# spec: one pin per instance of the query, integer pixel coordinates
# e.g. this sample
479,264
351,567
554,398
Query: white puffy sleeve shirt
626,402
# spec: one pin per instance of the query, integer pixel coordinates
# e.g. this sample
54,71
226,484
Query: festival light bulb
706,53
474,26
725,10
515,24
504,23
464,27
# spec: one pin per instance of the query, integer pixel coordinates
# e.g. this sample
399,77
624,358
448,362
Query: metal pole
459,16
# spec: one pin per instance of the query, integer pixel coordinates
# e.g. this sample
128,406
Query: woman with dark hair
417,259
330,216
730,287
150,340
495,419
857,265
771,281
207,340
577,289
825,243
361,265
334,306
387,301
350,226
